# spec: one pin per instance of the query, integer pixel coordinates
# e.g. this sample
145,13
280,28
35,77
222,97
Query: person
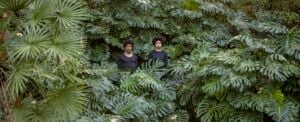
158,53
128,60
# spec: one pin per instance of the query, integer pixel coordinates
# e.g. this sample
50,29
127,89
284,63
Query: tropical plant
44,44
238,60
230,60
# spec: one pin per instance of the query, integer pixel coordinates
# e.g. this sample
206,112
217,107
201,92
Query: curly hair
126,42
158,38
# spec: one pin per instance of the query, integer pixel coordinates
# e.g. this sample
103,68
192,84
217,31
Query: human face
158,44
128,48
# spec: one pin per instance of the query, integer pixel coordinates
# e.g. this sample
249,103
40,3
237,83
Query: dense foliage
230,60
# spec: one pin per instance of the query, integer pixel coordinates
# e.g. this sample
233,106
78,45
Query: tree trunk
5,104
3,53
4,99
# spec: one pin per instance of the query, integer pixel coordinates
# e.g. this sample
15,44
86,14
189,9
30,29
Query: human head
128,46
158,42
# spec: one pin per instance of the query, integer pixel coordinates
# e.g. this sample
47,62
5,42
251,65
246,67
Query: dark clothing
125,62
160,55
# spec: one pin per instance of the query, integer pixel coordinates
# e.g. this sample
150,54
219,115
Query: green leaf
39,11
178,116
32,45
214,87
22,109
66,44
127,105
70,13
17,79
285,112
67,102
246,116
209,110
274,71
15,5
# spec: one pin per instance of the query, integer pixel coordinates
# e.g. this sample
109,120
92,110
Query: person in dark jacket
158,53
128,60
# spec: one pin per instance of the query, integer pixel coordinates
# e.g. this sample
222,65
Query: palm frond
67,102
39,114
15,5
32,45
70,13
39,11
65,45
22,109
17,79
